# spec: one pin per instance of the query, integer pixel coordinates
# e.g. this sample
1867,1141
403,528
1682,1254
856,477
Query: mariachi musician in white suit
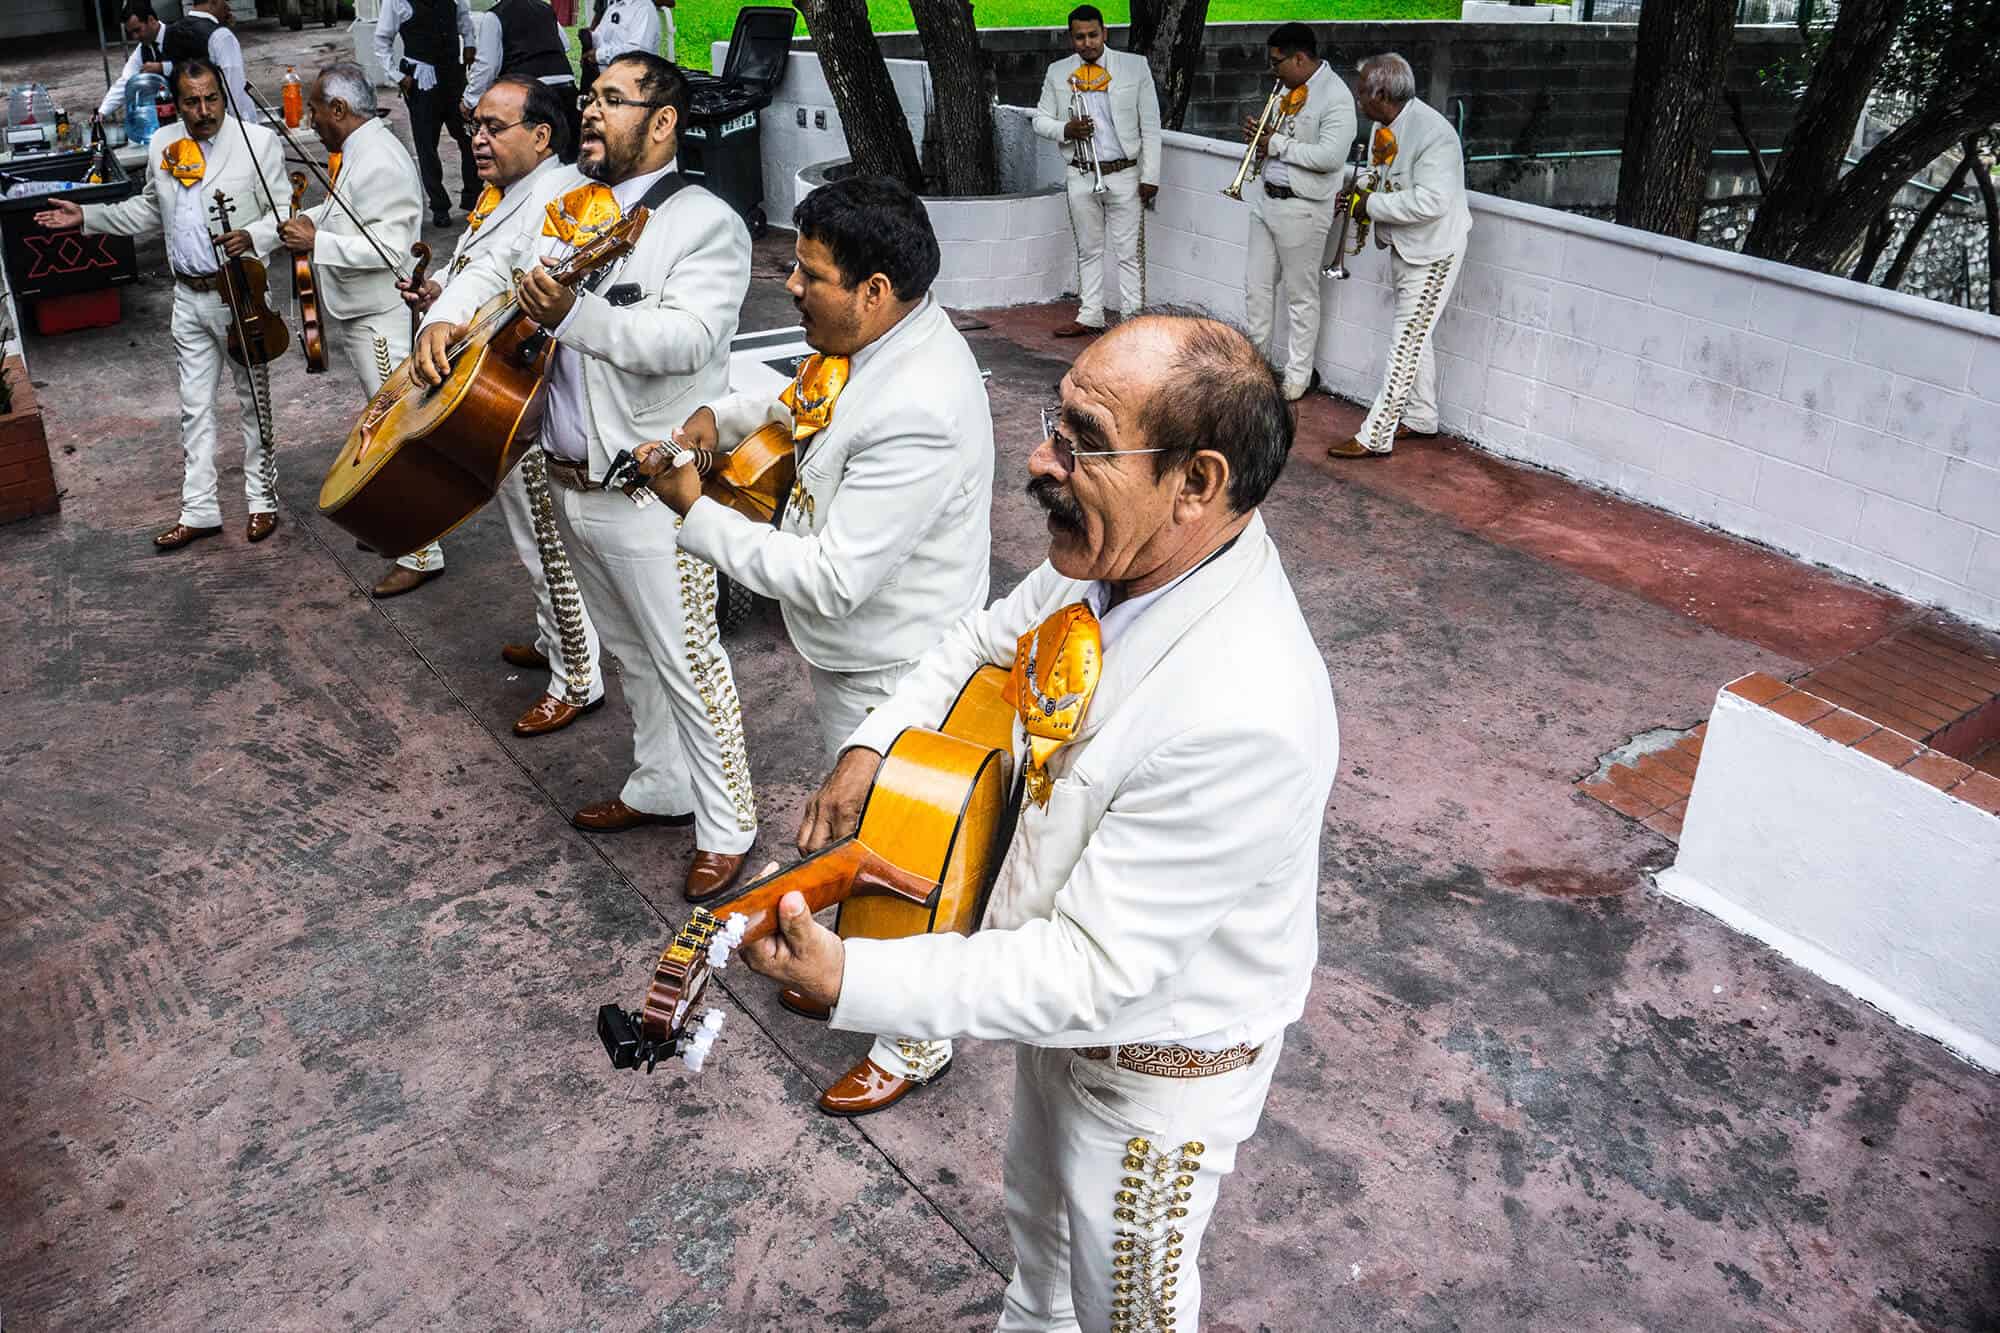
361,310
1152,929
204,153
885,542
1418,205
1291,212
638,349
1103,101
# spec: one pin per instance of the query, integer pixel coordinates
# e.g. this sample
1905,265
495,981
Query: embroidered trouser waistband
1174,1061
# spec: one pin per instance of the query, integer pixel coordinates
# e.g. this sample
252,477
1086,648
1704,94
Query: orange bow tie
1056,667
1090,79
183,160
332,167
582,215
489,199
1382,148
811,394
1295,102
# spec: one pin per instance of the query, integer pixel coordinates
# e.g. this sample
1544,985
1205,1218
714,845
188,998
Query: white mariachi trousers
373,346
1111,1179
841,699
1409,381
201,348
563,632
1287,254
1106,222
654,606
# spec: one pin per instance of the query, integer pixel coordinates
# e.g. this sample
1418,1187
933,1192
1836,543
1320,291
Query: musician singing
1152,930
1103,98
884,543
1418,203
517,132
637,352
206,152
1306,145
352,247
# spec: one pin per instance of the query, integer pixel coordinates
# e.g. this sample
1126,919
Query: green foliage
698,23
1939,43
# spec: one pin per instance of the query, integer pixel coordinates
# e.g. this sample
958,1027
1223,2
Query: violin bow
326,181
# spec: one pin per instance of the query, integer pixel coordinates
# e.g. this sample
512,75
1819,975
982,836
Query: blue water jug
142,116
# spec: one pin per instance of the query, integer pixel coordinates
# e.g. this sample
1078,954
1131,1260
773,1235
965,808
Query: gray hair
1387,76
349,83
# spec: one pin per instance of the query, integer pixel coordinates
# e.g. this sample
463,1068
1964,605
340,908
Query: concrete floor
301,957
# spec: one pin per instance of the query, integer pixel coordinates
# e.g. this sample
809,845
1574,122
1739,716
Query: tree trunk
1984,179
1843,210
1908,250
1168,33
878,136
965,159
1788,219
1677,69
1872,246
1735,101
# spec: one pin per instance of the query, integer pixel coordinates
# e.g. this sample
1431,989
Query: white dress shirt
486,42
1104,127
395,13
628,25
565,421
114,96
189,248
1276,172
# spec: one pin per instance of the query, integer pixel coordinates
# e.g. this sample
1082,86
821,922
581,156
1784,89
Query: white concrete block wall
789,147
1865,874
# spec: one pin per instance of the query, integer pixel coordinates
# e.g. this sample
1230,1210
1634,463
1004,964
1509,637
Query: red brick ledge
1880,743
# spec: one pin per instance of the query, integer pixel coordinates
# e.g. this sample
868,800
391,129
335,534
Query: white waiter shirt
226,54
395,13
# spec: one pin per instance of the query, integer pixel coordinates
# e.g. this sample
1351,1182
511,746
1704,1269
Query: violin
257,335
305,290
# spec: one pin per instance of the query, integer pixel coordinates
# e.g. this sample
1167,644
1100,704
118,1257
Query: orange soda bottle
295,98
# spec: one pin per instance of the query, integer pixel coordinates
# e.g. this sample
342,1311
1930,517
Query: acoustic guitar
929,843
422,460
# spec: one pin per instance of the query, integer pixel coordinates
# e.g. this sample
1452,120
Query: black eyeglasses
612,102
492,128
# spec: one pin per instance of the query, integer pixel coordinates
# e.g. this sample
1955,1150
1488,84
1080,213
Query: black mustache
1059,504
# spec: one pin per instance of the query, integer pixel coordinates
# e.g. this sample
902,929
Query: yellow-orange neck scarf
1295,102
1056,667
811,394
1090,79
1382,148
489,199
332,168
582,215
183,160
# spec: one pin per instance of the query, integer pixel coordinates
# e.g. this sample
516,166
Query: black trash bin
45,263
722,145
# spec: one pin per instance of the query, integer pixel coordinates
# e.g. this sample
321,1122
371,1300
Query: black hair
542,106
873,224
660,80
1218,392
137,9
1085,14
1288,39
193,65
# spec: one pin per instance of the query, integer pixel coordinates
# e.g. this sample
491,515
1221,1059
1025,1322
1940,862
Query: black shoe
468,201
440,217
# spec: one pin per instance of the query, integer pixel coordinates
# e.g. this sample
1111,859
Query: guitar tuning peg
718,955
712,1021
733,928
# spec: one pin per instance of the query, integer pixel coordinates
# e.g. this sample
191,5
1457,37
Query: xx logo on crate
67,253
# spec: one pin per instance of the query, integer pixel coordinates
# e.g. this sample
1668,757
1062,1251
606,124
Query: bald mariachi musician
884,543
1418,205
1152,930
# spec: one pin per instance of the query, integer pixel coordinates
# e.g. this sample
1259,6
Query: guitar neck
830,876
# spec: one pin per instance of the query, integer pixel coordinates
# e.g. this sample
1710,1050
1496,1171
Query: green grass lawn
700,22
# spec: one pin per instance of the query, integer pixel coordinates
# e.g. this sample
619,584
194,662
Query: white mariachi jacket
378,181
654,332
227,166
1317,142
1135,106
1422,210
1169,888
509,214
886,541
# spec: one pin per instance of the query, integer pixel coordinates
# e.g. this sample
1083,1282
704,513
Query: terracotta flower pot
27,482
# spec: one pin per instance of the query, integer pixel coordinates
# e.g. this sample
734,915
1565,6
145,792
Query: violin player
518,129
1152,930
204,152
637,351
886,540
352,248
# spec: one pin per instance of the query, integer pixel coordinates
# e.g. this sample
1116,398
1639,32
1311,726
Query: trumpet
1253,153
1337,270
1086,148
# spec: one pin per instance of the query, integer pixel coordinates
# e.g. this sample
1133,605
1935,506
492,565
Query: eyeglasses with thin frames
1066,451
612,102
492,129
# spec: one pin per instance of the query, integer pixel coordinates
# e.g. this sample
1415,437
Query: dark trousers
437,110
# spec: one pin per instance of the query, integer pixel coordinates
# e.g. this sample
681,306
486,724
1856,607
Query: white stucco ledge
1883,880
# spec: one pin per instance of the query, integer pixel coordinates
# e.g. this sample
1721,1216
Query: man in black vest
143,30
531,44
433,85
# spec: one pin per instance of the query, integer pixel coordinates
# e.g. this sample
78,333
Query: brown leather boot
711,873
525,656
803,1007
552,714
614,816
868,1088
401,579
260,526
180,534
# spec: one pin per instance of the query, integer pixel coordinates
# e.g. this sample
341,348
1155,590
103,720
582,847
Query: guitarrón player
885,541
1152,931
644,346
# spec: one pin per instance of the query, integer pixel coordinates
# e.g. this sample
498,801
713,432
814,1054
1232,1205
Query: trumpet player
1418,206
1303,141
1100,107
